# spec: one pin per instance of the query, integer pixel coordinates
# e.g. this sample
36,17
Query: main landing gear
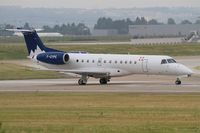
102,81
83,80
178,81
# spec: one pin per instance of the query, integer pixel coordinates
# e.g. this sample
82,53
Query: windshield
166,61
171,61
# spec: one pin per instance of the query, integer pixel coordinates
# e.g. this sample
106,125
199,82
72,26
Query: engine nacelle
56,58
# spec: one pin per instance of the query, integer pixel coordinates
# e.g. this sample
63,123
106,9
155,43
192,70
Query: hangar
177,30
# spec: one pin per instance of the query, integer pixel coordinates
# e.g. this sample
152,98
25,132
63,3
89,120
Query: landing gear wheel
178,81
81,82
103,81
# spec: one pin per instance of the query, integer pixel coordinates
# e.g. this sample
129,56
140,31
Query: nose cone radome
183,70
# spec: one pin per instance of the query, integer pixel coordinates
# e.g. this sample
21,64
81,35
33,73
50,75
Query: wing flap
93,73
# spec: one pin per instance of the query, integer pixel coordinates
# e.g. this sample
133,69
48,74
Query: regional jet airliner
100,66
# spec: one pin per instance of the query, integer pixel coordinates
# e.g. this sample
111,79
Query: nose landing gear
178,81
84,78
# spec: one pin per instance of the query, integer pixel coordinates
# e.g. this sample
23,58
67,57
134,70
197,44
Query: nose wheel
178,81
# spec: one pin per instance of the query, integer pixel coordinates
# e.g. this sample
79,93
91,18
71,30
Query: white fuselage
120,65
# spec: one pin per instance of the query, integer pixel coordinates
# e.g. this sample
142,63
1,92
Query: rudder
34,43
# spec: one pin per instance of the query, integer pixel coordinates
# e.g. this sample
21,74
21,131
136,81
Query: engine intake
56,58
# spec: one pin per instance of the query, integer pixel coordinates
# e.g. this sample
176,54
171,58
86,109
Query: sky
93,4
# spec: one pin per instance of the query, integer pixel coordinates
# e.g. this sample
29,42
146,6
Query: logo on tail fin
35,52
33,43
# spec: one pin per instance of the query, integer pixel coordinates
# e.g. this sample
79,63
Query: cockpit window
171,61
164,61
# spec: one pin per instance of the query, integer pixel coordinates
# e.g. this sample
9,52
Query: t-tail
33,42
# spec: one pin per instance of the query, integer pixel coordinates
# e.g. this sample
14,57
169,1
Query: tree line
69,29
121,25
65,29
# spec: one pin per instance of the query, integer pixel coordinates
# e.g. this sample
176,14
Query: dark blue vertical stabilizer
33,42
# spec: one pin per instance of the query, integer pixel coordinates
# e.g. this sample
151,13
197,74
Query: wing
90,73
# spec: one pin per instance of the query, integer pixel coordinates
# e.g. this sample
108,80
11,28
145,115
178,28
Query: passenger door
145,65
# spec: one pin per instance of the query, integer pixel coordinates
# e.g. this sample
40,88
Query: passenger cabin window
164,61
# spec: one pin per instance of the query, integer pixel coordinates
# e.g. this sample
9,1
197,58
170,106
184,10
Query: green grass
9,71
99,113
8,51
18,51
173,50
15,39
197,68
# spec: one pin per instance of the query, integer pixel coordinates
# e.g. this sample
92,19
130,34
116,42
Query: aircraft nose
183,70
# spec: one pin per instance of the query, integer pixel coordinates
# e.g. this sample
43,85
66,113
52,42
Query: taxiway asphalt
133,84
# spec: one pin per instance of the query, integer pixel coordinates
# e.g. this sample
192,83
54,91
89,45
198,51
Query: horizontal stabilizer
24,30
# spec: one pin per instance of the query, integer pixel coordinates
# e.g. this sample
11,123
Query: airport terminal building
178,30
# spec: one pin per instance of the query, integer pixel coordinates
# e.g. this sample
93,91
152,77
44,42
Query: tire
178,82
81,82
103,81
